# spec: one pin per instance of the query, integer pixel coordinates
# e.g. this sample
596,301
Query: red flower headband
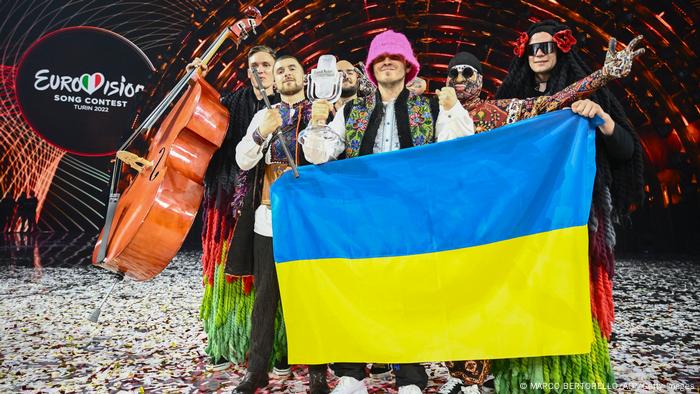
564,40
520,44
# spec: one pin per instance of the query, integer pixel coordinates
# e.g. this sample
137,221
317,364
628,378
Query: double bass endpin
96,313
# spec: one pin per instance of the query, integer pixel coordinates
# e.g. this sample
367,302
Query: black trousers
406,374
267,297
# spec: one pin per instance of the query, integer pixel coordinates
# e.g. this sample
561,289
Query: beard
349,91
471,91
390,78
290,90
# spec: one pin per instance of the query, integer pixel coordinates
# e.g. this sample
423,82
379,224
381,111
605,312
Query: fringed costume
229,289
491,114
618,185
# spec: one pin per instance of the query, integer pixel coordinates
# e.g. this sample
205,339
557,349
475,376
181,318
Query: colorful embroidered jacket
491,114
291,127
416,117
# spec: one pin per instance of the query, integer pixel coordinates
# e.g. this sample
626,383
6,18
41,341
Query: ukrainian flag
476,248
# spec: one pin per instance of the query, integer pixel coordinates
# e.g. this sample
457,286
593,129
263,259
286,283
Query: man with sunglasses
465,76
542,57
547,58
391,119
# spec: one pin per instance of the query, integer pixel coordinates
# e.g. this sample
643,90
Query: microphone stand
290,159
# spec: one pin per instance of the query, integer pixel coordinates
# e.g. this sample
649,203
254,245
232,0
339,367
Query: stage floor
149,336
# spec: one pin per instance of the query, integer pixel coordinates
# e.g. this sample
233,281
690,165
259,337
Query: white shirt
248,154
388,134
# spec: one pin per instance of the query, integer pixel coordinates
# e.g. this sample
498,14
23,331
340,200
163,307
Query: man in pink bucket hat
395,44
393,118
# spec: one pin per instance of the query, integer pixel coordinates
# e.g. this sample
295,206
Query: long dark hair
625,179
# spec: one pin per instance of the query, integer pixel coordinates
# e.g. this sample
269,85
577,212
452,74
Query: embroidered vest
420,122
291,127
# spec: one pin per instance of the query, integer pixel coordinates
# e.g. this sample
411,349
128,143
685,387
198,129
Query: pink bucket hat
391,43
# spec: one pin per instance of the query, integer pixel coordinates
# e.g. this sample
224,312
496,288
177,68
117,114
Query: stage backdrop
54,179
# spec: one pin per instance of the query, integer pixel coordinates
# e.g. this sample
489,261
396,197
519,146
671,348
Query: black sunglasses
545,47
466,70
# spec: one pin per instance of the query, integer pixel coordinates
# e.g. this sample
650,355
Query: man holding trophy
262,147
392,119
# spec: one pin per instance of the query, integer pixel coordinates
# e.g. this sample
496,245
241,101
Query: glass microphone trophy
325,83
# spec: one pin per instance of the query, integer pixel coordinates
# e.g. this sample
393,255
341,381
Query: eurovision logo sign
78,88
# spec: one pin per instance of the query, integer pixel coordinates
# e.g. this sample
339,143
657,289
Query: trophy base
314,134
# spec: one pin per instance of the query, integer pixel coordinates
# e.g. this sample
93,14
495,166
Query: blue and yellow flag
476,248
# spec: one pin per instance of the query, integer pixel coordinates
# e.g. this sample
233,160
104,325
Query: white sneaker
281,373
221,367
410,389
452,386
473,389
349,385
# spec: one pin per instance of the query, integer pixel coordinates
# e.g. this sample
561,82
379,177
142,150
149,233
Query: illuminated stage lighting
439,29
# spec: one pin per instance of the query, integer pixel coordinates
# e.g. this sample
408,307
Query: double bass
146,225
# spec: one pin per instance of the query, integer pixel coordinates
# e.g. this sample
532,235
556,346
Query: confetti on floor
149,338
